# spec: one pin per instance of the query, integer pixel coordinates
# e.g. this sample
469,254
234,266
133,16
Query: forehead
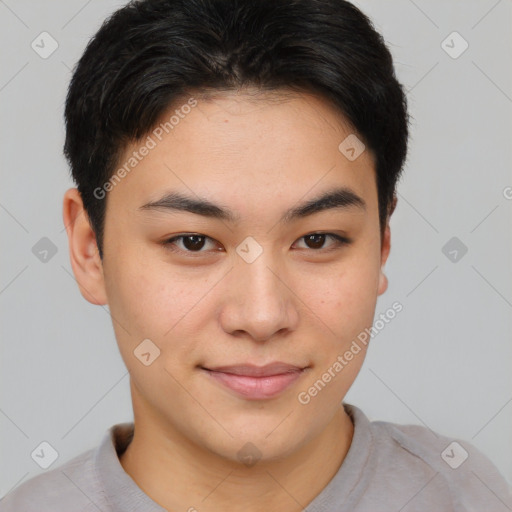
246,148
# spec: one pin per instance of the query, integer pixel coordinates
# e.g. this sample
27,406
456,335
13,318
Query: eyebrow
338,198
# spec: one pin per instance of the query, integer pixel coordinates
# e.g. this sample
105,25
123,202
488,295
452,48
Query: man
236,165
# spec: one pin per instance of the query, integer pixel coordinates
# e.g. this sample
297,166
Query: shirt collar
122,493
345,487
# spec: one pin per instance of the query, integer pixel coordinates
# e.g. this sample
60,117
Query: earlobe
385,249
383,282
83,250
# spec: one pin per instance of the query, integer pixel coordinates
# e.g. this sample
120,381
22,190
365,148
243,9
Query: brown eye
192,243
195,243
316,241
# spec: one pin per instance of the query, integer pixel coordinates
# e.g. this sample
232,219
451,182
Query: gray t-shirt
388,468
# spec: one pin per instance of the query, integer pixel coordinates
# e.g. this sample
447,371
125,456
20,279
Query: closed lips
257,371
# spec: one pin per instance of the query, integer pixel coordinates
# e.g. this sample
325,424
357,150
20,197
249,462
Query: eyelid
168,243
340,241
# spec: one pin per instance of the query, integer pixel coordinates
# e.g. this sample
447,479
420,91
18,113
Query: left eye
194,243
317,240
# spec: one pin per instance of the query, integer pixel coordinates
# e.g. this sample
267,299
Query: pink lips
256,382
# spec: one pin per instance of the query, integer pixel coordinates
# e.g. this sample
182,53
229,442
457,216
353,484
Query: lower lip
256,388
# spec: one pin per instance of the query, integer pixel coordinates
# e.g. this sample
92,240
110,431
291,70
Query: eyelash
340,241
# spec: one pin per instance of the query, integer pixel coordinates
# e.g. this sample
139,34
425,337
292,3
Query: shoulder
70,486
451,466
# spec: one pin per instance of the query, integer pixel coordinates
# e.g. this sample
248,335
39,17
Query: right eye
188,243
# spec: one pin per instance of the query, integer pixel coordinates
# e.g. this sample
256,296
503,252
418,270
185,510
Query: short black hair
151,53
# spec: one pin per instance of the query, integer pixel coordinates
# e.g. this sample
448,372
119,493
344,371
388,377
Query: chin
259,440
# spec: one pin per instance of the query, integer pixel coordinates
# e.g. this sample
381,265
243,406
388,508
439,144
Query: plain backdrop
444,361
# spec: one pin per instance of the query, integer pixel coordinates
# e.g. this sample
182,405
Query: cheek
149,297
344,299
344,304
146,302
153,301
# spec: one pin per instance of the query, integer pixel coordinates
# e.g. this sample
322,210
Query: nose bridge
260,304
262,287
254,261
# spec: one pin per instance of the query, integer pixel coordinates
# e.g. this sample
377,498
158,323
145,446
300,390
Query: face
250,308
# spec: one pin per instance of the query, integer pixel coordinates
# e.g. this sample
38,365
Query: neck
180,475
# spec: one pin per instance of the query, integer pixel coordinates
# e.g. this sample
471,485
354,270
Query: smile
256,383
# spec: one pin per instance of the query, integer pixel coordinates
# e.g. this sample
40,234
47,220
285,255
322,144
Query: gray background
444,361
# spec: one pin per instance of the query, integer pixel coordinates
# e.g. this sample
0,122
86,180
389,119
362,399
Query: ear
83,249
385,248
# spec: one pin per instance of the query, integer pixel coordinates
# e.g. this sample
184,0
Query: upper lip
251,370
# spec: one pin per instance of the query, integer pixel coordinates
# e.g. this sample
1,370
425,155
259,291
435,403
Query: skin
299,303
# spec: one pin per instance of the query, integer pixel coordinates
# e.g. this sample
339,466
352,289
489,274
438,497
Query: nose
259,303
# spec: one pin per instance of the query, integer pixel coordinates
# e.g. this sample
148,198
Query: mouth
256,382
